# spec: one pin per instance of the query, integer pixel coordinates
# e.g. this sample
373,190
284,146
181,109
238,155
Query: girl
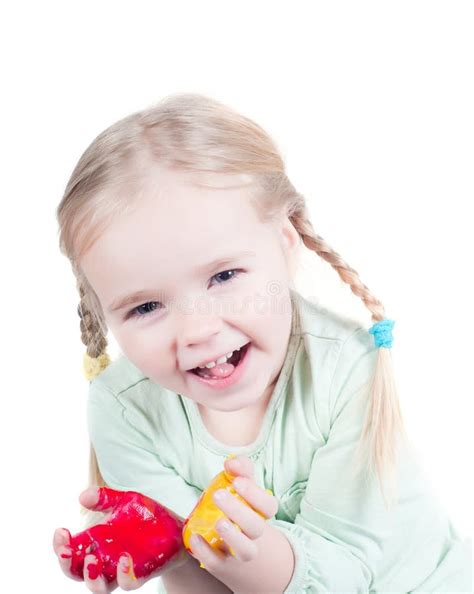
183,232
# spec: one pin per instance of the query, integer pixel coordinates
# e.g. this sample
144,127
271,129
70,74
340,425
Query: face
190,314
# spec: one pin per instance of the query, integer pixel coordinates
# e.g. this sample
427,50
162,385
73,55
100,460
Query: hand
160,535
242,538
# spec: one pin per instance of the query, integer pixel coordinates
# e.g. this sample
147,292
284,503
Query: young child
183,232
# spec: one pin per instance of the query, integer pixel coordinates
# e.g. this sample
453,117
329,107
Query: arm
191,578
340,531
270,572
128,461
344,538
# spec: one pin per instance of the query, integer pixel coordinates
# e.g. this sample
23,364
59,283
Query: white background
371,106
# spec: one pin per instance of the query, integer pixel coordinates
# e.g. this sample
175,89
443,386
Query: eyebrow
122,302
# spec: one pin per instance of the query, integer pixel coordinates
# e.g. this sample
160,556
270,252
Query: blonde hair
192,133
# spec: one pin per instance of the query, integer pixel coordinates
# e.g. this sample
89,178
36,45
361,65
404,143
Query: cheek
154,355
143,350
270,326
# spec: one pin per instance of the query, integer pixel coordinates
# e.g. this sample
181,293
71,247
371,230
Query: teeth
222,359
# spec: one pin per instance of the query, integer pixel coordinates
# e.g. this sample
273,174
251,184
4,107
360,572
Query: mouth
240,362
235,360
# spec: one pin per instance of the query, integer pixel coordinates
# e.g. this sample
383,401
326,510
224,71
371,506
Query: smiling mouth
234,360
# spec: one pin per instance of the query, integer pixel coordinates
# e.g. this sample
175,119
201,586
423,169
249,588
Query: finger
100,498
244,516
126,577
208,557
93,578
241,547
261,500
61,538
61,541
239,466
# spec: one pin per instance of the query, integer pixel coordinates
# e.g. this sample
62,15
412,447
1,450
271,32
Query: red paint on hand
137,524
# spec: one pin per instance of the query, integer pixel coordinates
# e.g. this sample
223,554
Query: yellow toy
205,514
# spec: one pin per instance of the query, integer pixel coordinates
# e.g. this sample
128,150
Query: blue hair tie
382,332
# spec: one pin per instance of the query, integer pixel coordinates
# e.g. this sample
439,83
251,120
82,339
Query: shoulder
330,336
322,322
111,392
121,391
340,351
121,386
119,376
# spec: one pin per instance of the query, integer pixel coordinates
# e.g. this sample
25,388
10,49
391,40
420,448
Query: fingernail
219,495
236,464
65,553
127,567
224,525
124,564
238,483
93,570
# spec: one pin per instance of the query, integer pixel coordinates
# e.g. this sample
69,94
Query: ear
290,241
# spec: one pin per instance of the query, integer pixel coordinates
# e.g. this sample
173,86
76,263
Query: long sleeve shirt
150,439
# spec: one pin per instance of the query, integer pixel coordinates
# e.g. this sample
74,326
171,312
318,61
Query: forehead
173,227
175,214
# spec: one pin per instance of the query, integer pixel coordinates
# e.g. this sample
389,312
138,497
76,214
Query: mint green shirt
150,439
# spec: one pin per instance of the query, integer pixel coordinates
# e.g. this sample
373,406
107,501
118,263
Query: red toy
138,525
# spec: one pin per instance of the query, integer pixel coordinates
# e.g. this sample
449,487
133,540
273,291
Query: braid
350,276
383,421
96,358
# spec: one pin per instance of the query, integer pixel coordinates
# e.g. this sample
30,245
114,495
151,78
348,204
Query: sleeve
339,531
127,456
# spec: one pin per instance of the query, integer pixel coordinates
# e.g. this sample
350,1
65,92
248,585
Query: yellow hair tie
92,366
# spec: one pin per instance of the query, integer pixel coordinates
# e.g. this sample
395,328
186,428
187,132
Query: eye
134,312
227,272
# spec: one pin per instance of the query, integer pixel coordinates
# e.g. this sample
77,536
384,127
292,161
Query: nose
197,328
